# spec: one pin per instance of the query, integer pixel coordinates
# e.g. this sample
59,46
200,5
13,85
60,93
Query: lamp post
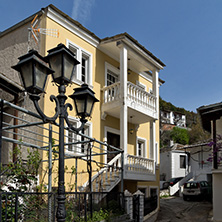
34,70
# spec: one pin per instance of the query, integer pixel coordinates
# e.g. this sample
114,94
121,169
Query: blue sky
185,34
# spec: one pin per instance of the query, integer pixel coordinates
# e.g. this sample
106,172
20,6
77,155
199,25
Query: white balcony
139,168
141,104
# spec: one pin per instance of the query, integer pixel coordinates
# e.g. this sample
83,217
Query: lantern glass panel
56,64
41,75
26,71
90,102
80,105
69,65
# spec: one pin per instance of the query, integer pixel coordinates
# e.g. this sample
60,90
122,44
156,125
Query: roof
122,35
209,113
194,145
73,21
126,35
9,85
174,147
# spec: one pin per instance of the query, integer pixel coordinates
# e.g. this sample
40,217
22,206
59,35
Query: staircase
176,187
107,178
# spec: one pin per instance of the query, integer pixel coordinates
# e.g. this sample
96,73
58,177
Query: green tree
180,135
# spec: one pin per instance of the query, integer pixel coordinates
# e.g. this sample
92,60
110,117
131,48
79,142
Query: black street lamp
34,71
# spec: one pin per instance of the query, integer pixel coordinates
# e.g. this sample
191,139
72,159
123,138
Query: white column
155,78
152,139
123,93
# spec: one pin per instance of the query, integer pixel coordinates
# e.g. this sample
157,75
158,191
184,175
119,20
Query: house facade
173,162
125,78
172,118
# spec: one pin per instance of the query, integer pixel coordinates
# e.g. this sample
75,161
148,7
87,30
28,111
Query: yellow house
125,78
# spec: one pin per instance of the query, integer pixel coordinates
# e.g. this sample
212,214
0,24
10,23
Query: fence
42,206
150,204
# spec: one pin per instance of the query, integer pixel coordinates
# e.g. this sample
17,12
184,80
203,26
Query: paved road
177,210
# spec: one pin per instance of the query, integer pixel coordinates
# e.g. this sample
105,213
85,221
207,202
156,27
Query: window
84,146
182,161
83,72
85,68
111,77
111,74
72,137
141,147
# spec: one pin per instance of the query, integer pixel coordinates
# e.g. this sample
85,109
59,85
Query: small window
111,74
182,161
85,68
83,72
111,77
141,148
84,146
72,137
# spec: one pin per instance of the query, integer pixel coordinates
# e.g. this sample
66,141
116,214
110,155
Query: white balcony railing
135,95
139,165
141,97
111,93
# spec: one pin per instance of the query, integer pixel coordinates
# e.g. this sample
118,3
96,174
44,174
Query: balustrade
139,164
135,95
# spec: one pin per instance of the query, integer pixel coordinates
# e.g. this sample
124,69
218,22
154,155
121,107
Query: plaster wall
165,165
176,170
199,164
13,44
217,195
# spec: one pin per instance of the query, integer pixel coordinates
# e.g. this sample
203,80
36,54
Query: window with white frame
83,72
141,147
72,138
111,74
85,131
76,142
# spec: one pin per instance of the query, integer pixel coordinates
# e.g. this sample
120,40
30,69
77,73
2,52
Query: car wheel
184,197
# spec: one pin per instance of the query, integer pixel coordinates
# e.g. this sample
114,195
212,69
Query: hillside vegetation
194,132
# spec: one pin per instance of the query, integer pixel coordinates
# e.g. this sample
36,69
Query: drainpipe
1,125
15,134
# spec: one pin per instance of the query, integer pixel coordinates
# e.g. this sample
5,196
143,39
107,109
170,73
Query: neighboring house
212,122
11,91
199,165
169,120
173,162
189,161
172,118
127,114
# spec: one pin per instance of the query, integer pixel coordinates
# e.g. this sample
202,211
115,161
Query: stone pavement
175,209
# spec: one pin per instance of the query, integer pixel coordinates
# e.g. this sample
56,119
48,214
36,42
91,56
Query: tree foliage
180,135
